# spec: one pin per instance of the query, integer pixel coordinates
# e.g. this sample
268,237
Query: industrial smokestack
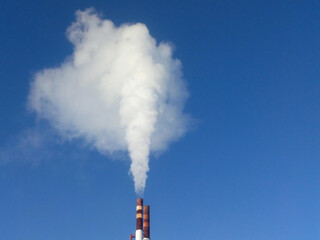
139,229
146,222
143,215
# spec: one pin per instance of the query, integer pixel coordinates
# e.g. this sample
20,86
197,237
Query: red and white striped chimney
139,229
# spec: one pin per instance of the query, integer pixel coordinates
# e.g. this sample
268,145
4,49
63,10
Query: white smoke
119,91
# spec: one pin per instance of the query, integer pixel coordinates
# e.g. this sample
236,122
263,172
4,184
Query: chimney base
139,234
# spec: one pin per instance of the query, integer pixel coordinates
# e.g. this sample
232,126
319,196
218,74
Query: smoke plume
119,91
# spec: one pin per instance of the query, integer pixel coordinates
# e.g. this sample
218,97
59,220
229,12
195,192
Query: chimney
146,222
143,215
139,229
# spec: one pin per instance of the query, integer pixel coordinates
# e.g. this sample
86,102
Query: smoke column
119,91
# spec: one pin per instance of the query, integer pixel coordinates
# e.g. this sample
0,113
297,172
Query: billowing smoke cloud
119,91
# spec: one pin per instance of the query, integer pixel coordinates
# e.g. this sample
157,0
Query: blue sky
249,167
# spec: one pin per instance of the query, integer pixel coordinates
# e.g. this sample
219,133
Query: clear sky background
247,170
